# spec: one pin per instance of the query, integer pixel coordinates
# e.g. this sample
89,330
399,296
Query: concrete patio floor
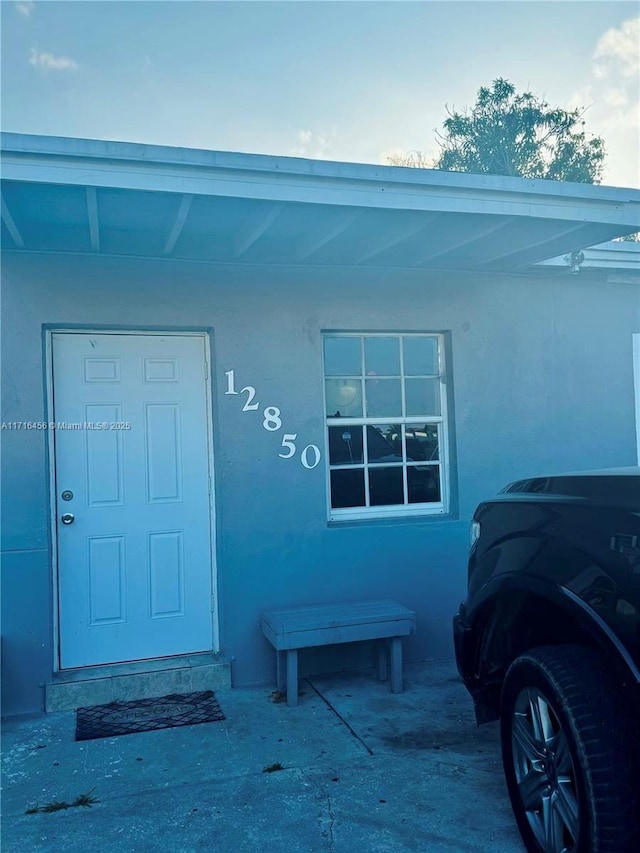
363,771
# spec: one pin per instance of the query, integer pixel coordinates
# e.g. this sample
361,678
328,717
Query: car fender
501,600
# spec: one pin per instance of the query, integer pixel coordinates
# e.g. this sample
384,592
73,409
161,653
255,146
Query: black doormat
145,715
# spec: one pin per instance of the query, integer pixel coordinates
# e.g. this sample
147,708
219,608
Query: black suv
548,641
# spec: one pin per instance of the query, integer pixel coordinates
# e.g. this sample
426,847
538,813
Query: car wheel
567,754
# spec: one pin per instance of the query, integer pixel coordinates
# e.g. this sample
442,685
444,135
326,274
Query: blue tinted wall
539,378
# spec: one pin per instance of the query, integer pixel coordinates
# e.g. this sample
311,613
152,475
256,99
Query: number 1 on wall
231,379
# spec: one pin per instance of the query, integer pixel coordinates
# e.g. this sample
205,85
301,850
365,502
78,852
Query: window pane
344,398
345,445
347,487
384,398
384,443
422,396
342,357
420,356
382,356
423,483
422,443
385,486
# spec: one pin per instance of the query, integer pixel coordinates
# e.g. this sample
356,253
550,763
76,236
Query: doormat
146,715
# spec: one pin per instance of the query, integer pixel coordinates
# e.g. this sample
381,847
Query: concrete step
98,685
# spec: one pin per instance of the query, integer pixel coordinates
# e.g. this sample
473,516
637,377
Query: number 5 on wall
287,441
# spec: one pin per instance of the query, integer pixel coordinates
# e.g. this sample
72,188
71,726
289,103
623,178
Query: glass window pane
344,398
384,398
422,396
422,443
347,487
345,445
420,356
385,486
423,482
382,356
384,443
342,357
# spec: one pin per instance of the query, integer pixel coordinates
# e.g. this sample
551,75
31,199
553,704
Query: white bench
289,629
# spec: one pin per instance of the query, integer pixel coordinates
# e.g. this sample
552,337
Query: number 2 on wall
250,391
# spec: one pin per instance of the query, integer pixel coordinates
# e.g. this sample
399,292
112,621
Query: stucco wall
540,378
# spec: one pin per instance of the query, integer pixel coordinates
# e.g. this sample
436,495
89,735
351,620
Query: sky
353,81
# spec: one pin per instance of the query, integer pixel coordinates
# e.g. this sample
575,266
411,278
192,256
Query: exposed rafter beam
246,237
178,224
94,221
307,246
499,256
12,228
460,244
393,240
537,243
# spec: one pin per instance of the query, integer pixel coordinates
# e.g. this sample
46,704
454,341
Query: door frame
49,331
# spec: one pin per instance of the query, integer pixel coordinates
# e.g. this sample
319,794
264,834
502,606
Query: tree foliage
415,159
505,133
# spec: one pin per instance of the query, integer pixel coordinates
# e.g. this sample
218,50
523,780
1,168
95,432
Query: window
385,402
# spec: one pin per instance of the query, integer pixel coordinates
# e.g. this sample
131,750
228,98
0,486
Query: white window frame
397,510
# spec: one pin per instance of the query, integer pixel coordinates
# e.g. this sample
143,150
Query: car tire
567,753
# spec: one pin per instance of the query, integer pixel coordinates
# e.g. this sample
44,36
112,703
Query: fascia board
281,188
261,177
103,150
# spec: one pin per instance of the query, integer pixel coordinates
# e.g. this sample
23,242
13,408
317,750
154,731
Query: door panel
131,445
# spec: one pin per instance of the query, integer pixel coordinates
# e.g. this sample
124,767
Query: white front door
132,502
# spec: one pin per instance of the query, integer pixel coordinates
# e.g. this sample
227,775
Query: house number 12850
272,422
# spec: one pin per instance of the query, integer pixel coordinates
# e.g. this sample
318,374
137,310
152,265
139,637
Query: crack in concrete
340,717
332,821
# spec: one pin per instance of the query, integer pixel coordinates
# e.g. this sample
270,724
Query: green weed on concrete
81,801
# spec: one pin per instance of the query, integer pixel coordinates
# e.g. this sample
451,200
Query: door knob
67,518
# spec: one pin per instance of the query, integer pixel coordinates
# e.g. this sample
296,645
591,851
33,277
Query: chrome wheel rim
544,772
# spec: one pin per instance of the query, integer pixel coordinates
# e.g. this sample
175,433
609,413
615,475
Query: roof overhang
619,259
125,199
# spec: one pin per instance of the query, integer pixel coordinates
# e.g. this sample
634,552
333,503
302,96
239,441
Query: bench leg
292,677
396,665
281,672
382,660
